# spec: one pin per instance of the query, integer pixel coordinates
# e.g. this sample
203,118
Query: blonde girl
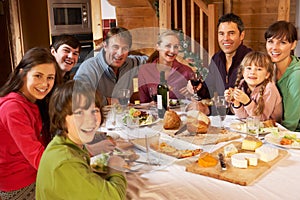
255,94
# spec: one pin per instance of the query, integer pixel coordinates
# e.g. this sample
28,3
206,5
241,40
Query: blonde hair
167,33
261,59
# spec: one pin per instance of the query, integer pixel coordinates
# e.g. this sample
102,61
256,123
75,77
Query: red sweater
21,145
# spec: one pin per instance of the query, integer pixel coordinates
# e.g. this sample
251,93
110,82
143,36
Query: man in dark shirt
225,63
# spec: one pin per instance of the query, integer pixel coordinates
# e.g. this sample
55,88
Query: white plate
275,139
241,128
142,106
174,142
133,166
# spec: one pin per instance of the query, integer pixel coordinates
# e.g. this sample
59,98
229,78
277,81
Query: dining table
172,181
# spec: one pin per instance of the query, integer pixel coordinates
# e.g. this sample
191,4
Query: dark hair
32,57
121,32
282,30
230,17
70,40
65,99
261,59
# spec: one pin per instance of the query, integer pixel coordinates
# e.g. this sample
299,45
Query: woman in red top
21,144
177,74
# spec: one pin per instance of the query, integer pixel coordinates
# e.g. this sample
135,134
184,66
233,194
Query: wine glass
221,106
153,93
195,79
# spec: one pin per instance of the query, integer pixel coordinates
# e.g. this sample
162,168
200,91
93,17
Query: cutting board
214,135
236,175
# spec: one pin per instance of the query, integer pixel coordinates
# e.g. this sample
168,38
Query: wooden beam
184,17
164,14
192,26
96,20
201,31
284,10
212,31
175,14
227,6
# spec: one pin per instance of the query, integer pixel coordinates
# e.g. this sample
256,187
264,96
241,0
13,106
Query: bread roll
171,120
197,122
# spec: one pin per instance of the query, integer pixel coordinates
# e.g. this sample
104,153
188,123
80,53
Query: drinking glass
195,79
123,97
221,106
253,125
152,145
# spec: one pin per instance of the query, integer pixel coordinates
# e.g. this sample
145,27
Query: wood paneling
135,12
140,18
258,15
5,56
129,3
35,26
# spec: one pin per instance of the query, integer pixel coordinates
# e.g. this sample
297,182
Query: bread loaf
197,122
171,120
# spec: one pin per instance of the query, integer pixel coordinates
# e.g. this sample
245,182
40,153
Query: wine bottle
162,95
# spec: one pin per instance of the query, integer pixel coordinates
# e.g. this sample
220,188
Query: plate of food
144,117
285,139
175,103
99,163
266,127
169,146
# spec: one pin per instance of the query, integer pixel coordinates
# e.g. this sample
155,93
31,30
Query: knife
182,129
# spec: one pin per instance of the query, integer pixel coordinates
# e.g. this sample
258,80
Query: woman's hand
190,87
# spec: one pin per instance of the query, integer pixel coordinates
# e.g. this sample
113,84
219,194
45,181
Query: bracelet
236,107
248,103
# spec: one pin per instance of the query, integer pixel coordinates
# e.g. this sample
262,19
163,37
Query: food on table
269,123
242,160
251,143
165,148
207,102
129,154
171,120
197,122
207,160
231,92
266,153
239,126
144,117
174,102
229,150
290,139
265,126
286,141
99,163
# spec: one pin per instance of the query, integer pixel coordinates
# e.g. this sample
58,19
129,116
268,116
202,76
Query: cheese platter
241,175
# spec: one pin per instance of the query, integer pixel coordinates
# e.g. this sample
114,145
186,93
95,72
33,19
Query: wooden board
214,136
236,175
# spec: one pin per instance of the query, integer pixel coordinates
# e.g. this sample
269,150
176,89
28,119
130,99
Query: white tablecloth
173,182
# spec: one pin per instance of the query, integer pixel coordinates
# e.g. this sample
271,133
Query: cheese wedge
251,143
266,153
242,160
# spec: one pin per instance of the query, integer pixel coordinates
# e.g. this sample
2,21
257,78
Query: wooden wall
257,15
140,18
5,54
